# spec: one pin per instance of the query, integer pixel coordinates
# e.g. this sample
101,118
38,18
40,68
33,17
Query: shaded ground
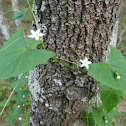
122,114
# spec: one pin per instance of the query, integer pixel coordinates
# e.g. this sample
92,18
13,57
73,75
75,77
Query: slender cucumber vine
35,22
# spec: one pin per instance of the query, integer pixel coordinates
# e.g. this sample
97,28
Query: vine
16,55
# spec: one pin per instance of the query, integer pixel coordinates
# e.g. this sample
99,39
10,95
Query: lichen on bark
85,25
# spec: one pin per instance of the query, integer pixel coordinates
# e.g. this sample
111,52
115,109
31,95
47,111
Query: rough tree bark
15,9
89,26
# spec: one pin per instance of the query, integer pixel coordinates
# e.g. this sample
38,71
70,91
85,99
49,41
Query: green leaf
21,83
11,119
88,118
15,43
32,43
16,58
3,103
17,111
104,73
20,15
28,102
27,115
110,97
115,57
25,123
100,115
22,96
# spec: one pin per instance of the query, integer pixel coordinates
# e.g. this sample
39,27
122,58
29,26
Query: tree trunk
88,26
15,9
3,25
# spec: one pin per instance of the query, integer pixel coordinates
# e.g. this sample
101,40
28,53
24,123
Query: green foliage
22,96
21,102
16,52
112,89
32,43
27,115
110,97
25,123
104,73
5,100
17,111
20,15
102,117
88,118
20,85
11,119
16,58
13,116
21,57
99,117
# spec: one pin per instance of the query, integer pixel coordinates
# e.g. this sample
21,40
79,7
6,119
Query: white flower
106,121
23,96
118,77
85,63
18,106
20,118
36,34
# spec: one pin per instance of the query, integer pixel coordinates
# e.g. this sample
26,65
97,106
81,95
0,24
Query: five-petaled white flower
36,34
85,63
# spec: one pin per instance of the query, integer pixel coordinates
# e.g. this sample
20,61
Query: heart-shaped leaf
16,58
110,97
104,73
22,96
102,117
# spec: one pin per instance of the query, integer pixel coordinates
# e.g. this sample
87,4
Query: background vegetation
5,86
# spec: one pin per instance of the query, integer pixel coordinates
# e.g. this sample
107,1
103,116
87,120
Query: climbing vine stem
67,65
35,22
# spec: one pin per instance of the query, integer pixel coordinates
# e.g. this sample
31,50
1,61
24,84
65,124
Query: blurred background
8,26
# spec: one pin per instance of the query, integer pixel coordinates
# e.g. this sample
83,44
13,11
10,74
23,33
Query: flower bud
122,97
116,73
